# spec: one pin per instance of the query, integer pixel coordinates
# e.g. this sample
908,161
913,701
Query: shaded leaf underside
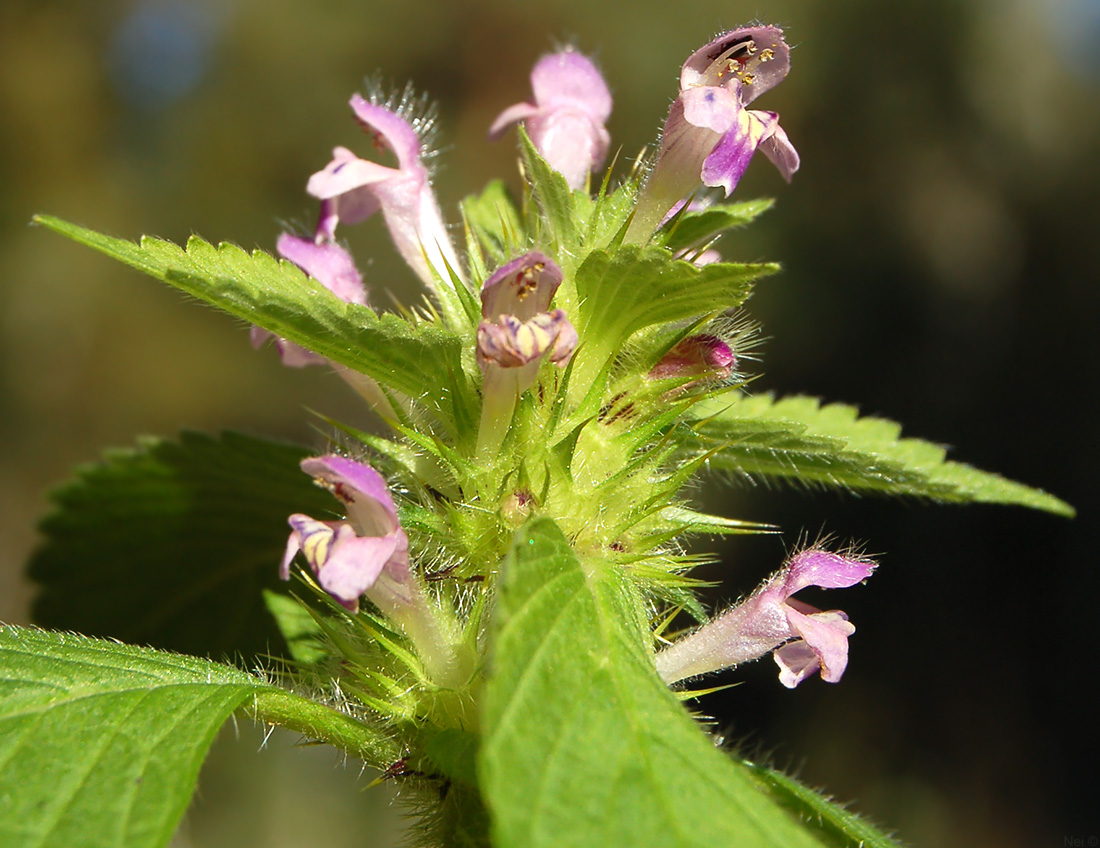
173,543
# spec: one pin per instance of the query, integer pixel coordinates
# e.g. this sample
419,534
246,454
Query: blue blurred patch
160,51
1077,25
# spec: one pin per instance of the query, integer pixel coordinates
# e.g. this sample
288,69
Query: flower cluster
524,339
490,571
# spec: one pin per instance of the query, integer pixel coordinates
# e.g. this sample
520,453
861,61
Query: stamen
337,489
732,59
527,280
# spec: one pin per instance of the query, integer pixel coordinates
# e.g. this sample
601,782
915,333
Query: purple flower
352,189
332,266
517,332
566,121
511,343
350,557
803,639
518,329
709,136
368,554
702,355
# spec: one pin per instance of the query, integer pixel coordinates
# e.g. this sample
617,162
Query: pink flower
709,136
350,557
803,639
566,121
517,333
352,189
368,554
518,329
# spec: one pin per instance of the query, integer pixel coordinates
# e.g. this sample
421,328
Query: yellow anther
527,280
731,59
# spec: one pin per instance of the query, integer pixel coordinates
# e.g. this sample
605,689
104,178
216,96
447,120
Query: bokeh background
941,252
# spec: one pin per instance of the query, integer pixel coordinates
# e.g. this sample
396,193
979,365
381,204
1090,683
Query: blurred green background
940,254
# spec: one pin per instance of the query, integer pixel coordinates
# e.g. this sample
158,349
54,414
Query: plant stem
317,721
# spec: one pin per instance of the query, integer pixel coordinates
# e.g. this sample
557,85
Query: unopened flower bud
703,355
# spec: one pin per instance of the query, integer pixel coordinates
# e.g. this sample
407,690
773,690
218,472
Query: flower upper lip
757,58
352,189
523,287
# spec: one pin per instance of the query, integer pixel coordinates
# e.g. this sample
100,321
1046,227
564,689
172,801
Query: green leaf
551,193
172,544
495,221
690,521
101,743
421,360
799,440
622,291
693,229
583,744
607,213
630,288
835,826
304,637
